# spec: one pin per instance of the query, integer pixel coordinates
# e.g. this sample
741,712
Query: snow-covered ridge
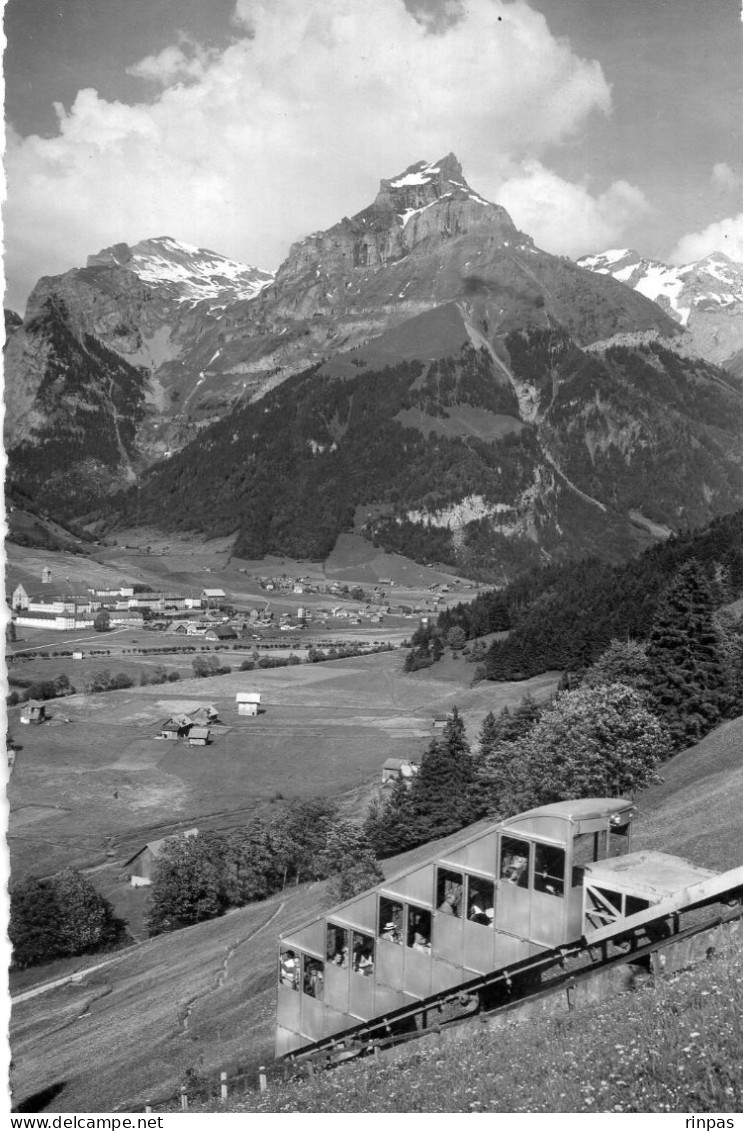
193,273
712,282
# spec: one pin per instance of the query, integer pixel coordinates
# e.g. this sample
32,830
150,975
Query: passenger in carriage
513,868
390,933
448,906
289,970
420,942
477,915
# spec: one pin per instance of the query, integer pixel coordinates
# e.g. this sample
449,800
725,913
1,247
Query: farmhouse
176,727
199,736
203,715
221,632
248,702
141,866
395,768
33,712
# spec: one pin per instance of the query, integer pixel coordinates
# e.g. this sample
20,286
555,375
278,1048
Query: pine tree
688,675
440,792
389,824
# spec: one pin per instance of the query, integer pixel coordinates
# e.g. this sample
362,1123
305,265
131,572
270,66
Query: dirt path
188,1008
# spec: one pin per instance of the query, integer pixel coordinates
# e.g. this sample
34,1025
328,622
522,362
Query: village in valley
153,706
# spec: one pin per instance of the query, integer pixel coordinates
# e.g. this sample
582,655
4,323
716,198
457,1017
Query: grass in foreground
673,1046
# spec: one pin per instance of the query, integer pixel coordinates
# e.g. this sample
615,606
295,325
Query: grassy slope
125,1040
675,1046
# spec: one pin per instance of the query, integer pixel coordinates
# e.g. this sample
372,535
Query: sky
244,125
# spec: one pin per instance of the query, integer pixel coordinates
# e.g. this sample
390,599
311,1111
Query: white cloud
723,235
725,179
186,61
564,217
293,124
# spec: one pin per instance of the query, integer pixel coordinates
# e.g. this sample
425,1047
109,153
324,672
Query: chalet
176,727
199,736
33,712
248,702
440,719
141,866
46,576
203,715
395,768
221,632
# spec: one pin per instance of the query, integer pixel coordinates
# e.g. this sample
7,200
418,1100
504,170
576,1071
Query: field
204,999
103,779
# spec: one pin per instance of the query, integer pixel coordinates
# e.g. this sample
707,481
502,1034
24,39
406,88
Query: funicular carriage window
289,969
336,947
618,839
314,977
418,935
587,848
390,920
363,954
449,892
481,901
514,867
549,869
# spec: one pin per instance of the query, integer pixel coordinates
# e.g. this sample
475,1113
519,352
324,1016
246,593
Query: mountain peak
424,183
190,273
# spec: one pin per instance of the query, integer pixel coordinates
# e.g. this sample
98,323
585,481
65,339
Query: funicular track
639,941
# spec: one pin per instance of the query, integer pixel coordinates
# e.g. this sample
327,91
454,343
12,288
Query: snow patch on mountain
191,274
680,291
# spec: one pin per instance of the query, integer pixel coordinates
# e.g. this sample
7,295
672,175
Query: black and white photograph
373,470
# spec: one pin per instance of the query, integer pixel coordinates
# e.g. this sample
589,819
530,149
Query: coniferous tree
624,661
440,792
389,824
689,679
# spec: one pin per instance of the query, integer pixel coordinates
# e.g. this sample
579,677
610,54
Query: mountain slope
210,333
489,461
705,297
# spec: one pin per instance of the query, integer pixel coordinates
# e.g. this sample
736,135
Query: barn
248,702
141,866
199,736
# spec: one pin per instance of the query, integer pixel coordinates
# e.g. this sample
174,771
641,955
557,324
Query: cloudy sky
242,125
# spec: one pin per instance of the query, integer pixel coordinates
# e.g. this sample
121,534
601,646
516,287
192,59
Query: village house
248,702
177,726
220,632
395,768
33,712
141,866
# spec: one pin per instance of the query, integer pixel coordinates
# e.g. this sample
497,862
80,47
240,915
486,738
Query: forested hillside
487,463
565,616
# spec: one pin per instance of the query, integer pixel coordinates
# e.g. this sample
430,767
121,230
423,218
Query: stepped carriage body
499,894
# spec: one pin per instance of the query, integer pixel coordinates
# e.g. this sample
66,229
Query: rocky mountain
185,273
421,371
705,297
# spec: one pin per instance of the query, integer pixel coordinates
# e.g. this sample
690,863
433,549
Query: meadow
201,1000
